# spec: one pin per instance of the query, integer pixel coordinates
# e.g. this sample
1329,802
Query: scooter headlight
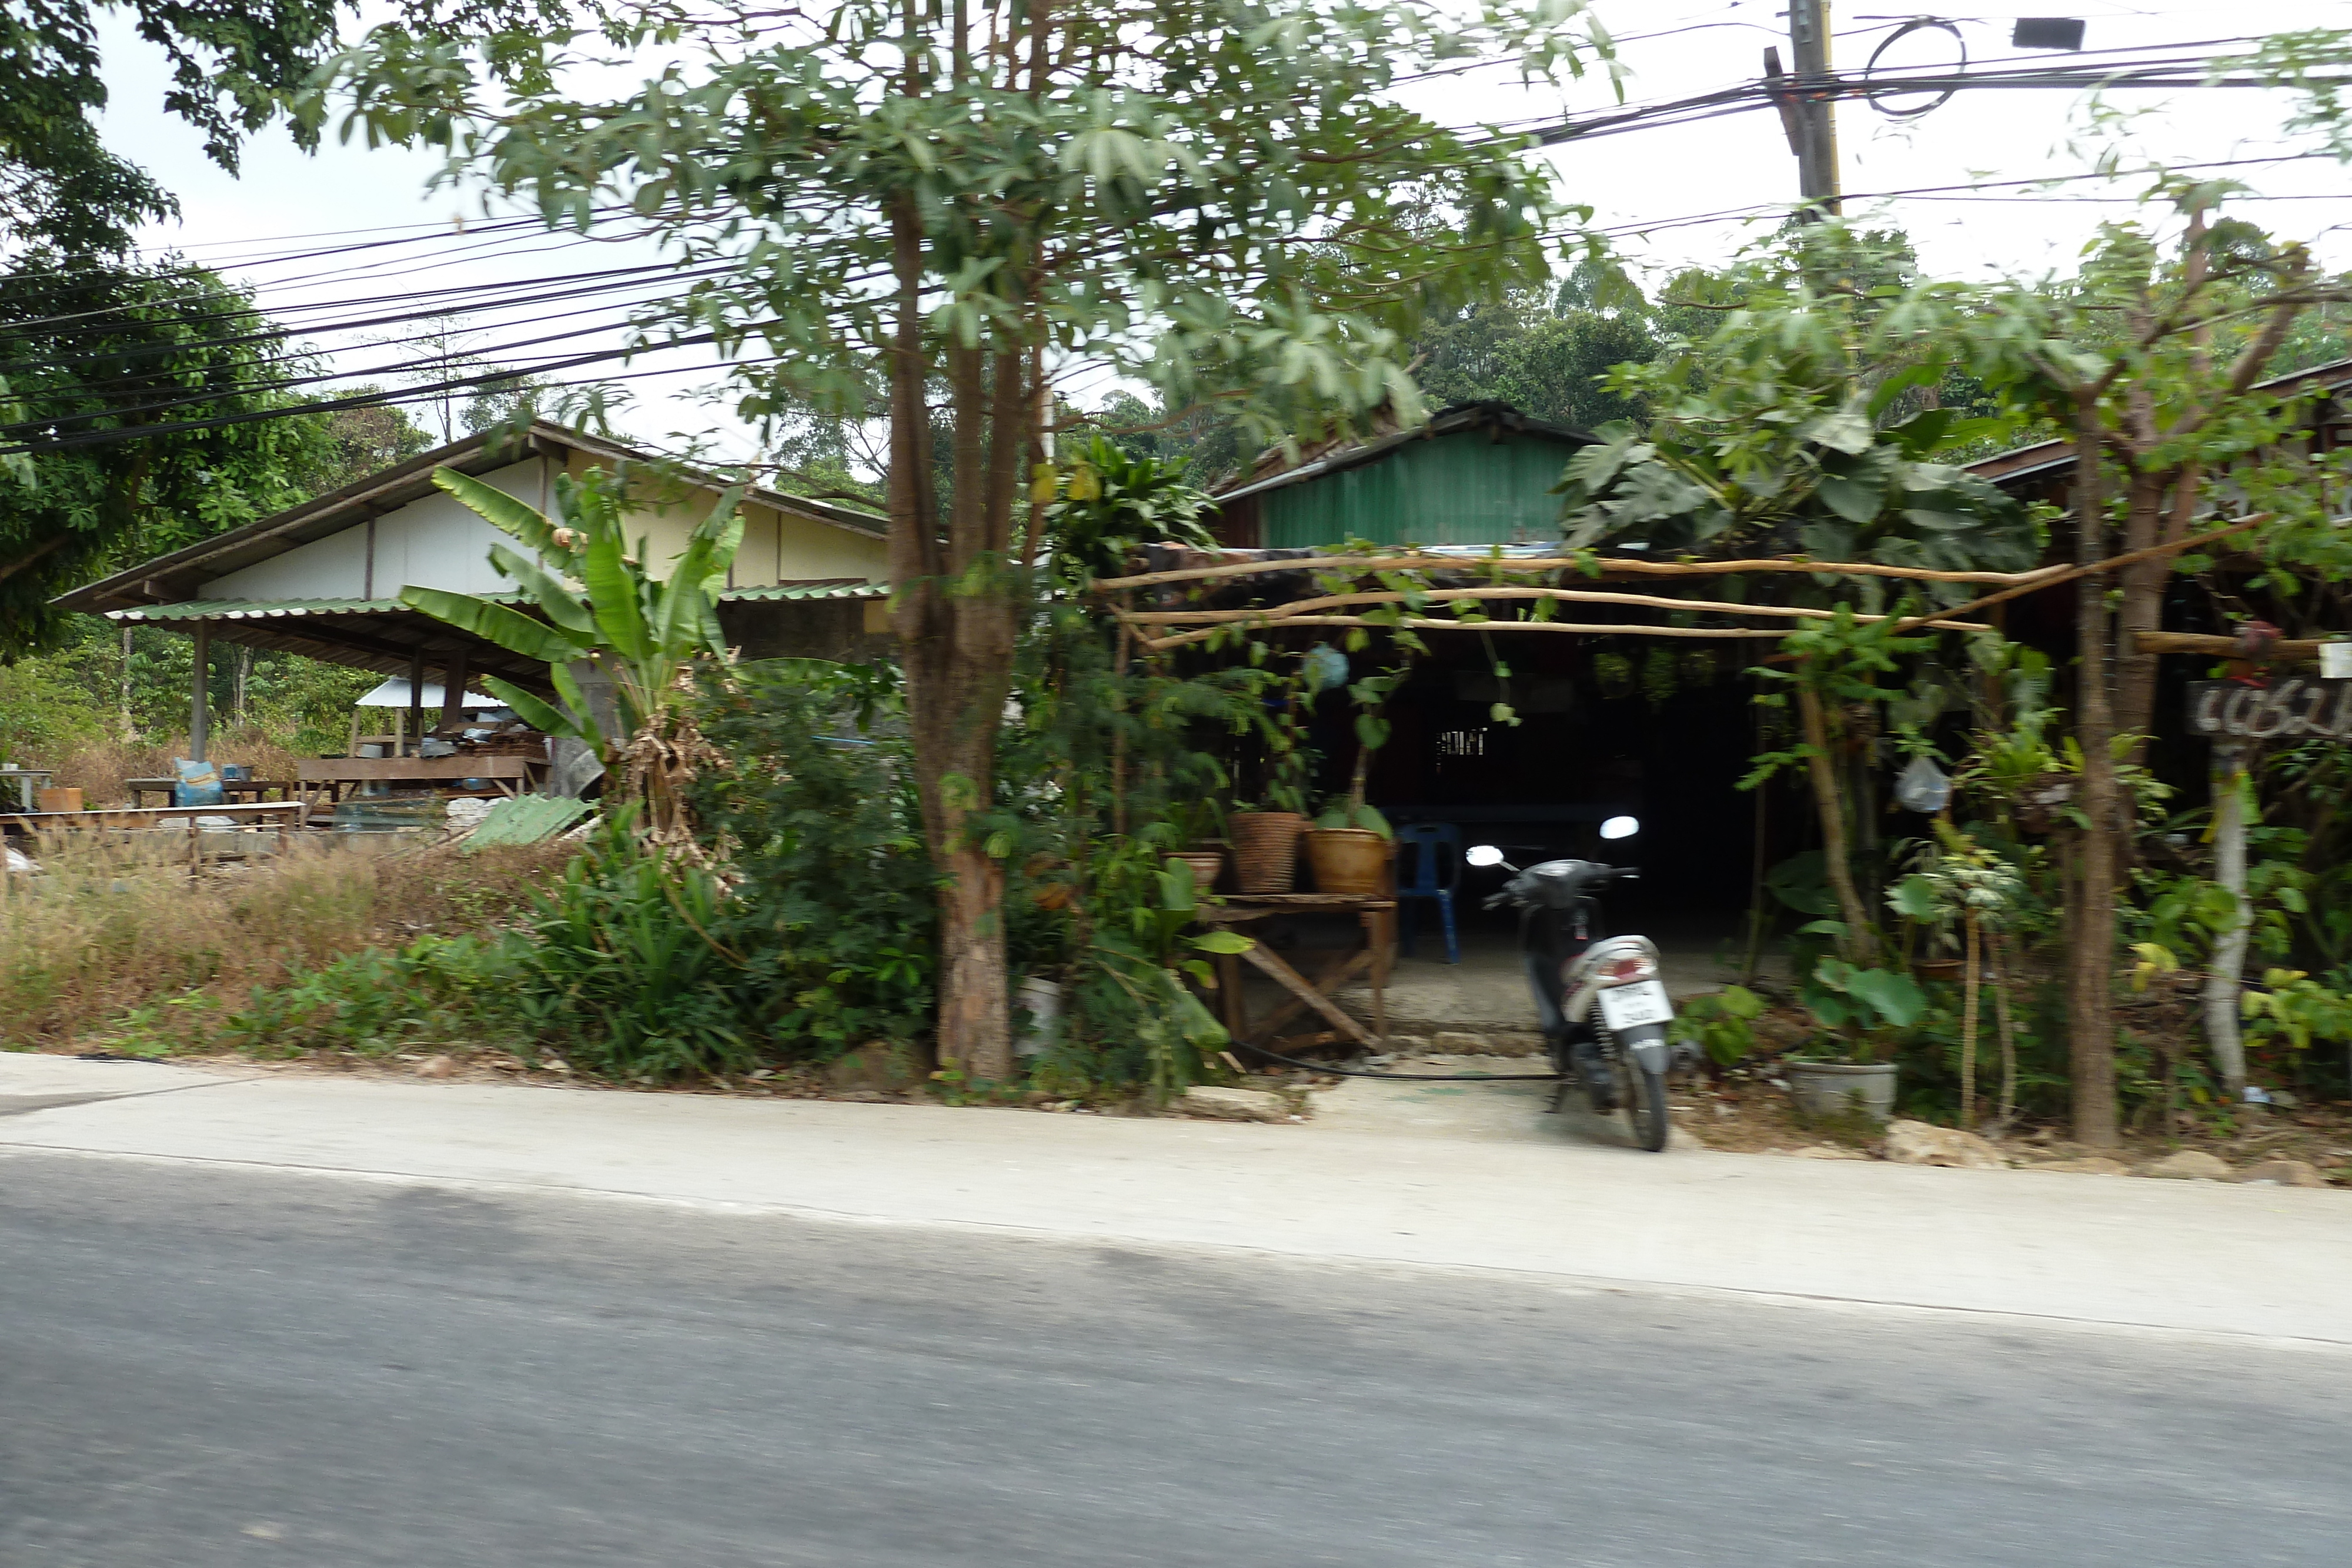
1627,968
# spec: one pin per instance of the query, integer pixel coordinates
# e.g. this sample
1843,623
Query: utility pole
1809,118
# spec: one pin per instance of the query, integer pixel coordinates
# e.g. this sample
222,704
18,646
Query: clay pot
1207,866
1347,860
1265,849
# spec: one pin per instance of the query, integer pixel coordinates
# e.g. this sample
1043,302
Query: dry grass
107,928
99,768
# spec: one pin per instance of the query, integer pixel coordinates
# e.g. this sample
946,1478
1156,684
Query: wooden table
279,814
1375,912
257,789
327,776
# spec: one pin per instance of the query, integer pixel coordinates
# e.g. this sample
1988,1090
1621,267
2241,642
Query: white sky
1644,177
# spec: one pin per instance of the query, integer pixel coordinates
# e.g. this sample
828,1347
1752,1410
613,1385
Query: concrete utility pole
1809,118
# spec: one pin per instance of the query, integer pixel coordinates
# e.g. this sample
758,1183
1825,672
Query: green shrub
835,905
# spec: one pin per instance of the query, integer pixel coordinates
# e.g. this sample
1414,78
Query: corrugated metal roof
525,820
281,609
258,609
805,590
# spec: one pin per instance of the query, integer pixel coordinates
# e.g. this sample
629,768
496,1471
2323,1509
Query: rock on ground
2189,1165
1829,1152
2282,1173
1920,1143
1454,1042
874,1066
1235,1104
436,1067
2090,1165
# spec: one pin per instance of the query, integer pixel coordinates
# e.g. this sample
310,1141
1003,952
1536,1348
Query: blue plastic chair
1429,864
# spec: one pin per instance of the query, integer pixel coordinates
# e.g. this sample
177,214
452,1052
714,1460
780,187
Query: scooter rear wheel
1643,1093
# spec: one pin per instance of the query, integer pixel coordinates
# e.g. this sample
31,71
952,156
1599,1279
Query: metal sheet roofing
283,609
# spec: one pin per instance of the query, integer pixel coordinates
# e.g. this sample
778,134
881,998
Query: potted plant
1194,824
1265,836
1844,1071
1351,843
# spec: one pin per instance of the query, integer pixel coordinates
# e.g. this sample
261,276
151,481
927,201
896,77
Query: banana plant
642,632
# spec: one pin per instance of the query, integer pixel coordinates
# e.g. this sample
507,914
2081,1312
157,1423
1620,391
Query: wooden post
200,715
415,702
453,677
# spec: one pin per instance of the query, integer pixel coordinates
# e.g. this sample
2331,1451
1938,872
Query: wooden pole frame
1615,566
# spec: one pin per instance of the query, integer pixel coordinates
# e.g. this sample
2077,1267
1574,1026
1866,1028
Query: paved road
202,1367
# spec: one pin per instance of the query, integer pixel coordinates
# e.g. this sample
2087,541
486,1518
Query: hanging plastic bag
1923,786
1326,667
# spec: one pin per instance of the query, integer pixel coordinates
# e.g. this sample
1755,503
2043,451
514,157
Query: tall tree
231,64
1217,197
2148,359
132,390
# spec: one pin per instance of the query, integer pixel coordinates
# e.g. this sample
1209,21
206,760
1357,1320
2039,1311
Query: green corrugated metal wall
1460,489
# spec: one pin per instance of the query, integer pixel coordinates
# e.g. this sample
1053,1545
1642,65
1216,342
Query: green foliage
1872,1001
93,349
1839,661
436,991
834,893
1136,205
642,632
1545,357
60,184
1130,994
1722,1023
1760,440
1108,501
622,969
2294,1010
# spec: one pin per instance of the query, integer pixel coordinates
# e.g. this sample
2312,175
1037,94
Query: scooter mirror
1620,827
1483,854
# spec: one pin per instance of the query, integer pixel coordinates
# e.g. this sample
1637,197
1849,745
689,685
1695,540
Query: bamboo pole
1426,624
1615,566
1278,612
2051,577
2285,651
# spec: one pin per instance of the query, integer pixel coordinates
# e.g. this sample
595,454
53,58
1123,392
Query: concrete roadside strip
2205,1257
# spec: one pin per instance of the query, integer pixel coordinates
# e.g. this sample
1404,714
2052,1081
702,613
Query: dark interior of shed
1655,729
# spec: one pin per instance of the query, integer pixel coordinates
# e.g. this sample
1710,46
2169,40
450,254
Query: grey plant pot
1840,1088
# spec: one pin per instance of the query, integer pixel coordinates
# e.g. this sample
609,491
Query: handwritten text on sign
2284,708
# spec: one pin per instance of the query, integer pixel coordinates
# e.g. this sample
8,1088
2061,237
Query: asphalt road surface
202,1367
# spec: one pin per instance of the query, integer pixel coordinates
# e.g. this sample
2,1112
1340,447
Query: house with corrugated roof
324,579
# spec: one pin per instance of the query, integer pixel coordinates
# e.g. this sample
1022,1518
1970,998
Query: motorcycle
1604,1010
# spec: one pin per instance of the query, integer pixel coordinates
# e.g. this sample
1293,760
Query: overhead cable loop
1915,24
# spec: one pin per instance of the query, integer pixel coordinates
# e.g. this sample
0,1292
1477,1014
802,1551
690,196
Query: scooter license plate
1631,1007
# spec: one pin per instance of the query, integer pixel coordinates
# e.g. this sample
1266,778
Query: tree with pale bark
2149,359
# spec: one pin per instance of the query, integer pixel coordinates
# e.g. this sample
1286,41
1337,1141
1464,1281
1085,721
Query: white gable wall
433,541
436,542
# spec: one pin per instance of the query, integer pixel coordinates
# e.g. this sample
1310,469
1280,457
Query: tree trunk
2091,906
2141,610
1837,855
955,617
2225,976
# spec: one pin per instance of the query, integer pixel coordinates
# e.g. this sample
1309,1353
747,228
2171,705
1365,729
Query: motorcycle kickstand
1559,1097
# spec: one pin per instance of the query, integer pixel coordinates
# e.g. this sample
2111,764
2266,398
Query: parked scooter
1605,1009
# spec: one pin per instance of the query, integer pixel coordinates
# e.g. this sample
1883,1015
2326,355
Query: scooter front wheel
1643,1094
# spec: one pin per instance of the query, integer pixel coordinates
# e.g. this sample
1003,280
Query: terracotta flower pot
1207,866
1265,849
1347,860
